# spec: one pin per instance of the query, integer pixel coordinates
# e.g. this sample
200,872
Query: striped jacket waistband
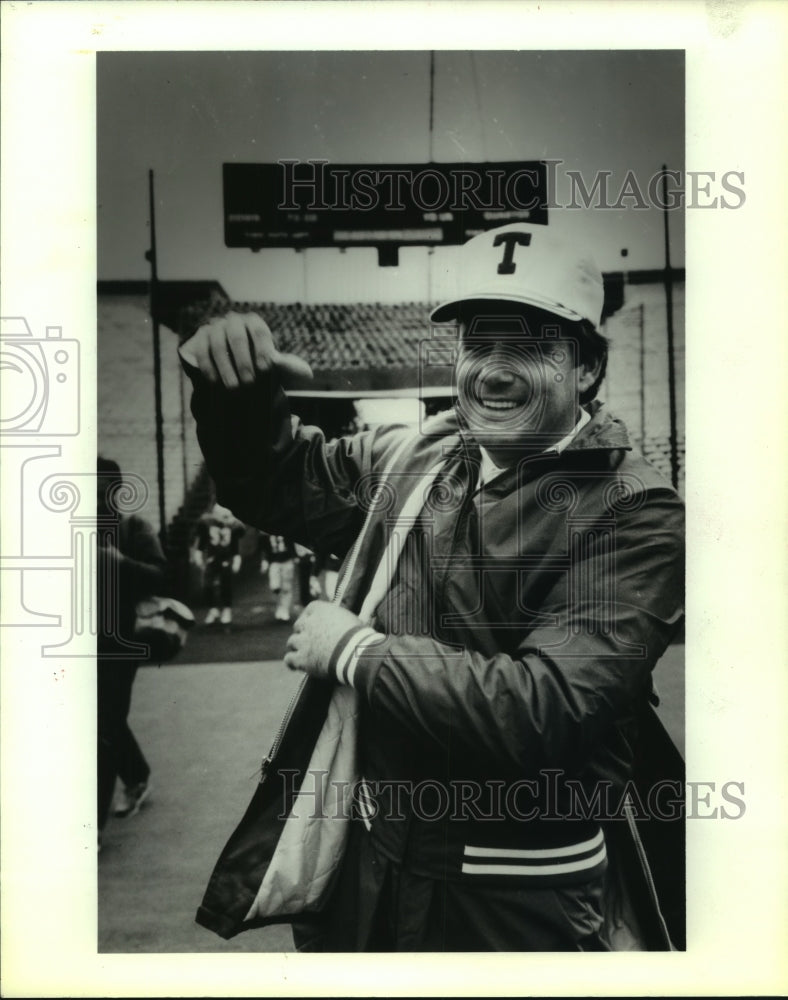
577,853
535,862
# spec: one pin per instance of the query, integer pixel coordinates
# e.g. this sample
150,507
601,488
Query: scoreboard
316,203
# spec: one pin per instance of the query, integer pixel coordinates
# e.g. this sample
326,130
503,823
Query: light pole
154,313
674,450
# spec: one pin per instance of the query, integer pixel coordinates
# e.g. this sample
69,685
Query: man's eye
476,350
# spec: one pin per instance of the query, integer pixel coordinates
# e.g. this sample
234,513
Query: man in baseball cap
527,306
499,616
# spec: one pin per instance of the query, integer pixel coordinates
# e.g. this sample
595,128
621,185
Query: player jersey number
278,544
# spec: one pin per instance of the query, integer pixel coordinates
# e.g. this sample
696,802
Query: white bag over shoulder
275,868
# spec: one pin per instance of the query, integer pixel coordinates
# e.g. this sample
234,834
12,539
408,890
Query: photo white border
737,687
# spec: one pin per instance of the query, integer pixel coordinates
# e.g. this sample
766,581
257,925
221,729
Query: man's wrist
351,660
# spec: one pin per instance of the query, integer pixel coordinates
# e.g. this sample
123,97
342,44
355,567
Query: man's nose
499,375
499,368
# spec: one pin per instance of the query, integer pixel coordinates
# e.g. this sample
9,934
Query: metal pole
431,154
642,348
674,450
431,157
184,464
154,312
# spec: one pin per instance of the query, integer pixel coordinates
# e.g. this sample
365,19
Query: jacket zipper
269,758
641,852
459,530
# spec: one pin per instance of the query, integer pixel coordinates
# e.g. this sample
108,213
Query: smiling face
518,381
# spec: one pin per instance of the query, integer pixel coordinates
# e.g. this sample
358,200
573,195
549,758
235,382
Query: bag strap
350,565
388,562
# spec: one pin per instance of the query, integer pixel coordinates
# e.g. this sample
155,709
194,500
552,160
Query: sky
184,114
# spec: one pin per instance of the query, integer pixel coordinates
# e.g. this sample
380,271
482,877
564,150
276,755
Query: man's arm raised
269,469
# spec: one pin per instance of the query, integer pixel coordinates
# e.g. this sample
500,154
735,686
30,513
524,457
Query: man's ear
588,375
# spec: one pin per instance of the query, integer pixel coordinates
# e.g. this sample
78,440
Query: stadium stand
356,350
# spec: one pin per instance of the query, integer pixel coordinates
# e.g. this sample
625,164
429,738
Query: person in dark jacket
131,566
306,570
218,551
279,558
504,670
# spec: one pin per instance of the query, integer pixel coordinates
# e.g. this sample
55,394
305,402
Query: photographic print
280,195
369,492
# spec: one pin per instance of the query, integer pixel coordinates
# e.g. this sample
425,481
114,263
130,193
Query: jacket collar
603,432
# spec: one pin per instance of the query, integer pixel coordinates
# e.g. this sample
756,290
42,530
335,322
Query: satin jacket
503,674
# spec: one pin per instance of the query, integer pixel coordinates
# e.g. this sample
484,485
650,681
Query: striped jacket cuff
347,663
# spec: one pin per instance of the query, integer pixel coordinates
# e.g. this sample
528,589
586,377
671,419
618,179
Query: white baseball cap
522,263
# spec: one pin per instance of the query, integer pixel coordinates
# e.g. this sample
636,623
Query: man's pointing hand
235,349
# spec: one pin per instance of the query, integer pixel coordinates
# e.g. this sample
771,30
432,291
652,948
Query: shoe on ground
212,616
282,616
130,799
227,616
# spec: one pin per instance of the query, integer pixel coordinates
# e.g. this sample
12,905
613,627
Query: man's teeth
499,404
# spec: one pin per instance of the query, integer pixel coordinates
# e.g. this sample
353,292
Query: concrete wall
126,402
636,388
